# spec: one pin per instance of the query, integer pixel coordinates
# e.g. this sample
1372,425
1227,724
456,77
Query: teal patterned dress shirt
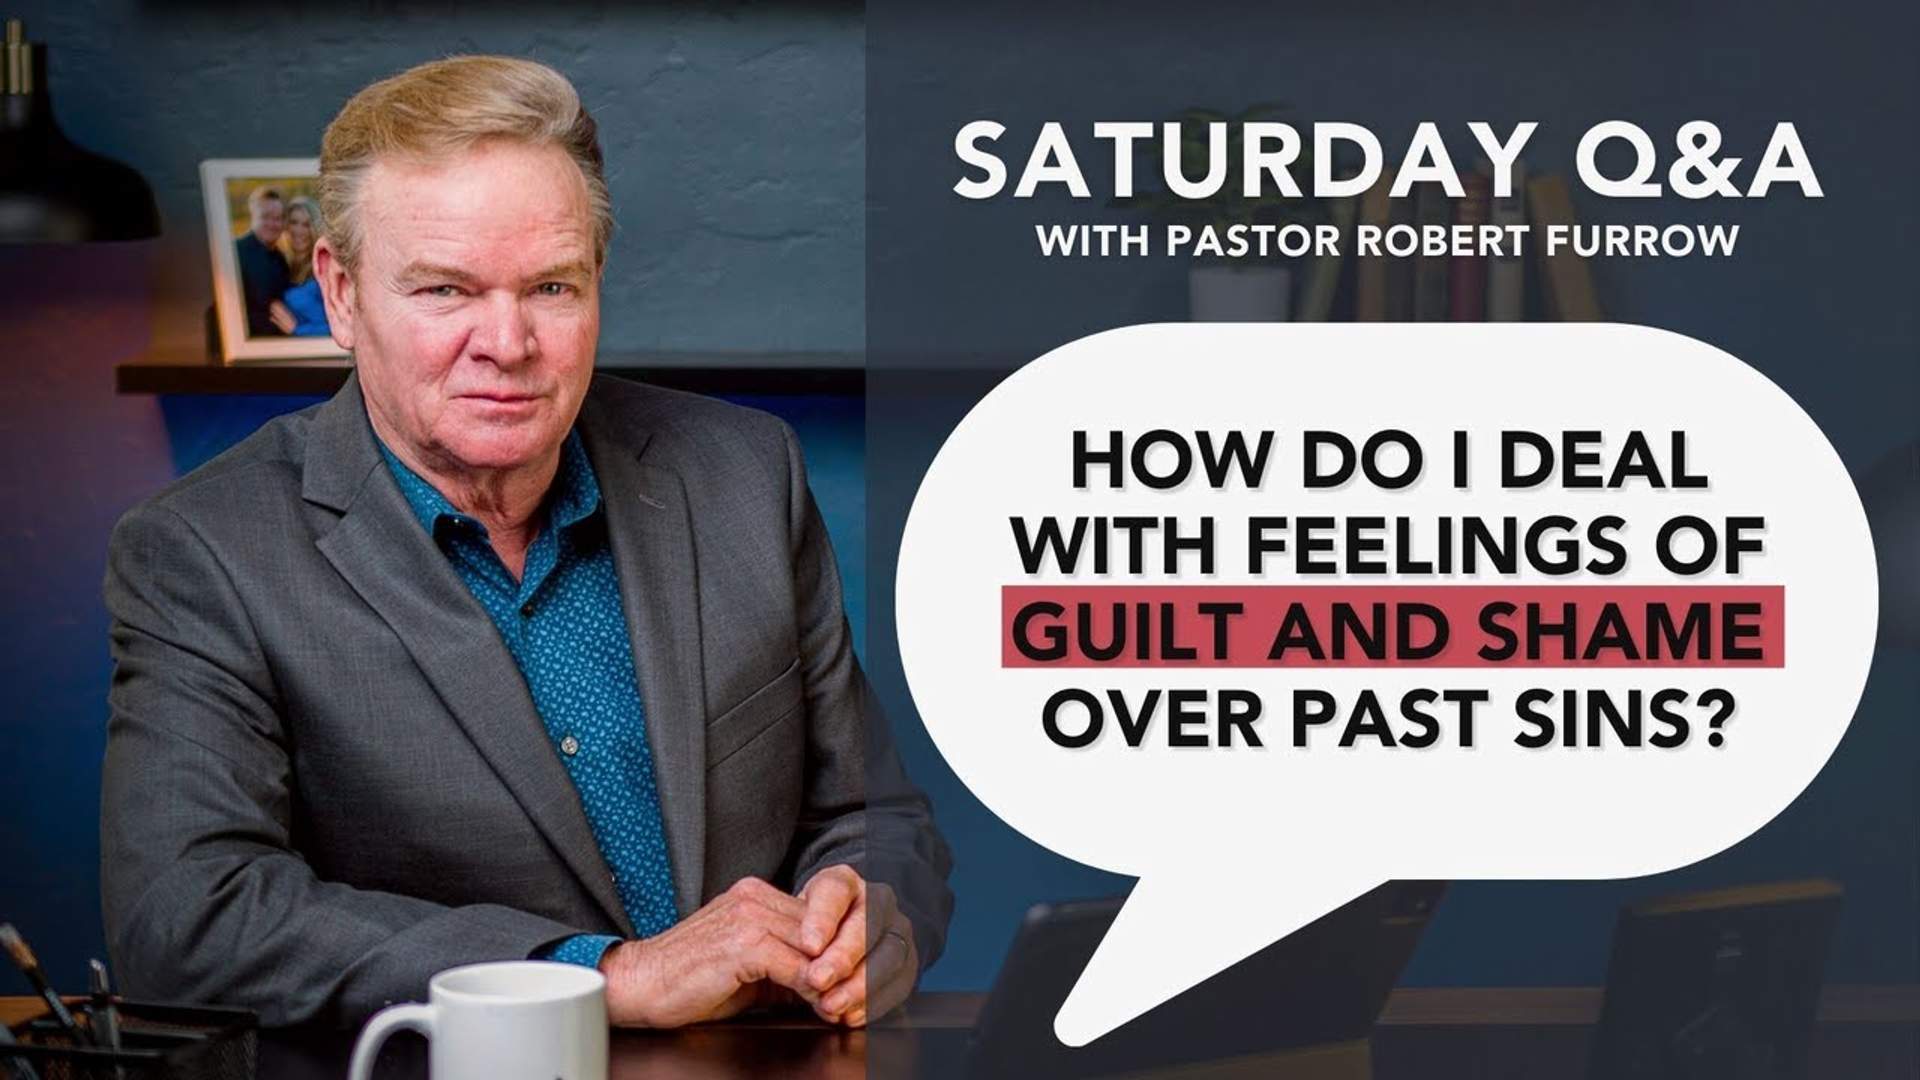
566,628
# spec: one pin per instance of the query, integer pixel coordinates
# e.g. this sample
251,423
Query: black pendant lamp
52,191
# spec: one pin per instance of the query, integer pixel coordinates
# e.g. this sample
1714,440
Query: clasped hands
841,946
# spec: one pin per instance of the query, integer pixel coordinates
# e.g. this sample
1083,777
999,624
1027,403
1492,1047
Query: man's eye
442,290
553,288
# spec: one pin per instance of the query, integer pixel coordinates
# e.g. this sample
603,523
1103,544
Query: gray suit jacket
325,779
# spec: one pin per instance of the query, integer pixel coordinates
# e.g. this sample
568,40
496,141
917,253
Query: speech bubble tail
1179,929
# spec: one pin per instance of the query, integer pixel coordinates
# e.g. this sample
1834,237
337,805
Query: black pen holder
157,1042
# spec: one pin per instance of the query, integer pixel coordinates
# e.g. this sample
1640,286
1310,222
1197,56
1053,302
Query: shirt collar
574,496
576,491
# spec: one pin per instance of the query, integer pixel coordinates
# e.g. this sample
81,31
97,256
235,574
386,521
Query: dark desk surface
1865,1032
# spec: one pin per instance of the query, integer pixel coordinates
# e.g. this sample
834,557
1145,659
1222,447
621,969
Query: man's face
269,220
475,309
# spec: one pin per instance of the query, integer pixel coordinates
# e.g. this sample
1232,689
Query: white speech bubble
1238,847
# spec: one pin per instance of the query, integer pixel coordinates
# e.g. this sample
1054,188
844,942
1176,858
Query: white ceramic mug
515,1020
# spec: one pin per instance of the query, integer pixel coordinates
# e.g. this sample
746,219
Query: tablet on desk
1323,985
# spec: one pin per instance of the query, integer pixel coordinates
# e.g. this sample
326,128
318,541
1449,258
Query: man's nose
504,335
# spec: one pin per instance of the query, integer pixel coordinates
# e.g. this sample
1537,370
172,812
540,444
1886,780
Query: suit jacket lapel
652,538
381,550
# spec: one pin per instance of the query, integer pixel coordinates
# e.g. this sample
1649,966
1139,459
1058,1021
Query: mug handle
384,1023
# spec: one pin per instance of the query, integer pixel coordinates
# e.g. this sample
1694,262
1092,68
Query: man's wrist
584,950
632,983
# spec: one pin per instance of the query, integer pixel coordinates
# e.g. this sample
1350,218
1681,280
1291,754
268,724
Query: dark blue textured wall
733,134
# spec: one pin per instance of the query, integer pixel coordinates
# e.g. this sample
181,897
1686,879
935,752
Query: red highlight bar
1601,626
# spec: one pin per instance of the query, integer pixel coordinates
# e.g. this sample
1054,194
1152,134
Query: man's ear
336,291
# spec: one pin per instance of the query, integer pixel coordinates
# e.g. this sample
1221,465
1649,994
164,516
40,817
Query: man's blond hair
442,108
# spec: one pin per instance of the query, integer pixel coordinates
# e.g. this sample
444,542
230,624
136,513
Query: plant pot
1224,292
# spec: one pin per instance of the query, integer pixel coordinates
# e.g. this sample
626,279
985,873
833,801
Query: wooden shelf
190,371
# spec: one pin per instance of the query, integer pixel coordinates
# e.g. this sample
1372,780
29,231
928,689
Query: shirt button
526,609
569,746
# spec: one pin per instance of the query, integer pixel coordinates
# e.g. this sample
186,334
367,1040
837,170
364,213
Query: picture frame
262,215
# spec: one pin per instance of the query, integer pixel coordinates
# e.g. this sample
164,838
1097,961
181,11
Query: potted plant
1226,289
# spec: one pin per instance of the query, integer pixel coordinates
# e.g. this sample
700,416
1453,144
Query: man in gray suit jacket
491,658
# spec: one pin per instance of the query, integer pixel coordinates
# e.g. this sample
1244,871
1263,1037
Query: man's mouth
501,397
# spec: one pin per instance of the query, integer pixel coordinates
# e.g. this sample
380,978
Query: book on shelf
1430,272
1566,279
1507,272
1322,289
1370,274
1400,268
1467,274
